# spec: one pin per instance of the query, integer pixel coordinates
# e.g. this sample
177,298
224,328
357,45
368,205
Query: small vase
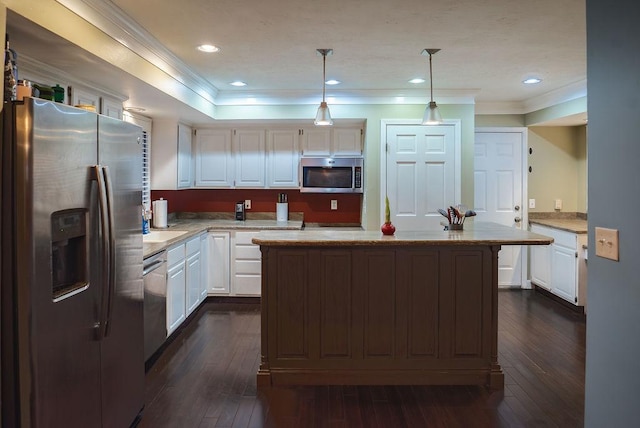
388,229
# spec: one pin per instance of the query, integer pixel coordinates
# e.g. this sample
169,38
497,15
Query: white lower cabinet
235,265
218,266
184,281
176,279
193,267
247,265
204,261
555,267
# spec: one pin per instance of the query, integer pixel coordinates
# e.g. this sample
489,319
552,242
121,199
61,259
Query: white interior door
422,173
499,193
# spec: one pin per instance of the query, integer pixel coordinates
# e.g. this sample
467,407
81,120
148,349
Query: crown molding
343,97
33,69
557,96
110,19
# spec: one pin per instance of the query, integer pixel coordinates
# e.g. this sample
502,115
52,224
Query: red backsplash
315,206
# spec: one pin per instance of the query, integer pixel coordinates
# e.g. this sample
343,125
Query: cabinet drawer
252,267
564,238
175,255
248,285
249,252
193,245
244,238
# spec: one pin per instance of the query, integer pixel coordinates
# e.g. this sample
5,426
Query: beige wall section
500,120
581,155
371,215
567,108
558,163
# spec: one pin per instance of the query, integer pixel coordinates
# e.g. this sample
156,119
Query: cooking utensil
443,213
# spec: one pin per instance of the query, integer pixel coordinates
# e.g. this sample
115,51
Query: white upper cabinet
333,141
347,142
316,141
283,157
171,164
185,179
250,154
213,158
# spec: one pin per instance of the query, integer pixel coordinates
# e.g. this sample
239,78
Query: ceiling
487,48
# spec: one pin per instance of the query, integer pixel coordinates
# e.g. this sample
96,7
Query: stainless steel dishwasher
155,302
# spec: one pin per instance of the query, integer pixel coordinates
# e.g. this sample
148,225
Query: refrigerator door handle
112,250
103,205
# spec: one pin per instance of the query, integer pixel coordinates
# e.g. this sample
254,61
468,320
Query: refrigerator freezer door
56,301
120,150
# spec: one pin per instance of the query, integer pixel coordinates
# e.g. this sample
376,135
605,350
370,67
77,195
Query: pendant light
323,117
431,113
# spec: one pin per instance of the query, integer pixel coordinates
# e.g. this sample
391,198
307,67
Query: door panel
59,354
421,174
498,194
120,149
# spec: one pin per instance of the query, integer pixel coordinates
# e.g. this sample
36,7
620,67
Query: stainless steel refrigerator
71,262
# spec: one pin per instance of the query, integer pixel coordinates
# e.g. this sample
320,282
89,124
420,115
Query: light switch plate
334,204
532,203
607,243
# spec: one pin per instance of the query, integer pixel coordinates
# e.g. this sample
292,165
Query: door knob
517,208
517,219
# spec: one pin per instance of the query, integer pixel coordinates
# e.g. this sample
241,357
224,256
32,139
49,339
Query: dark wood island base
379,312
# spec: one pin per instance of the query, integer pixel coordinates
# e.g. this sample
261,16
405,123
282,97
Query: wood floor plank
206,377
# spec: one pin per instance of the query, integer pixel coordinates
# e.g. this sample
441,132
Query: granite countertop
193,227
570,225
474,234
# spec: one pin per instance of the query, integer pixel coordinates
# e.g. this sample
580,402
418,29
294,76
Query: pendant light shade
431,113
323,116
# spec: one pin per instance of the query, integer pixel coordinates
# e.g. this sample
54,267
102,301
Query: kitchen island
360,308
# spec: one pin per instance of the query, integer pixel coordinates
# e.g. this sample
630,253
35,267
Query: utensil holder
282,212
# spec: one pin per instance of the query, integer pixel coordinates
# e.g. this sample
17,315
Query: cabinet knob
517,208
517,219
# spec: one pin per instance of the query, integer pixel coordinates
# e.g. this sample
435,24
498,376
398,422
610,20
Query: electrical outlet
247,204
334,204
558,204
532,203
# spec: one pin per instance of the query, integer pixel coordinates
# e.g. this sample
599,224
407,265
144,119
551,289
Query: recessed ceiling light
333,82
208,48
532,81
238,83
417,80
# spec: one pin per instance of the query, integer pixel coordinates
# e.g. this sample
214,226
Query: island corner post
389,312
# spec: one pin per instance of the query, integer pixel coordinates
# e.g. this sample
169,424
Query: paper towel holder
160,213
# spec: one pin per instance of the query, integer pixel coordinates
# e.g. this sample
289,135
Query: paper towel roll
160,213
282,212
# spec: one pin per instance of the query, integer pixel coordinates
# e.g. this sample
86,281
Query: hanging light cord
431,76
324,71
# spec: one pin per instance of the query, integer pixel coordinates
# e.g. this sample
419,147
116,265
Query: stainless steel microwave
331,175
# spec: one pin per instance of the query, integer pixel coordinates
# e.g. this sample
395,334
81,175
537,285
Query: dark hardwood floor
207,378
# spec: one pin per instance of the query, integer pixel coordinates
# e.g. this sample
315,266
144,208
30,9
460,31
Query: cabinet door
175,297
283,158
218,263
247,266
563,272
204,269
184,157
250,158
81,97
213,158
540,261
316,142
193,276
111,107
347,142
